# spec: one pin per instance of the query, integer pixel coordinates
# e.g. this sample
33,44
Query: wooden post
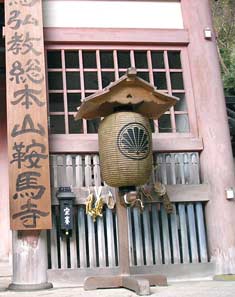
29,261
30,199
216,158
139,283
5,243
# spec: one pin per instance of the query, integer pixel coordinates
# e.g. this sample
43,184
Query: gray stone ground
177,289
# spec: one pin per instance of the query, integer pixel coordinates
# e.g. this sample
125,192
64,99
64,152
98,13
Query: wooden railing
155,237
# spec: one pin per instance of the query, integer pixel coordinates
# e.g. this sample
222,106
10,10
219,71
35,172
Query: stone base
32,287
224,277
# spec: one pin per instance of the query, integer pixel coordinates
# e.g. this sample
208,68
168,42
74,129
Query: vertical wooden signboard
30,202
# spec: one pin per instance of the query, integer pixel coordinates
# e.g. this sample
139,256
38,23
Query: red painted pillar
216,158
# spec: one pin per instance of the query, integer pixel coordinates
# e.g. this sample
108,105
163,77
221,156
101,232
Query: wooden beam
96,35
176,193
89,143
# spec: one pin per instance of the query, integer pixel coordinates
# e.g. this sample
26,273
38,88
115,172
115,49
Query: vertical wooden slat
194,169
147,236
192,233
99,69
62,183
173,169
90,223
53,232
115,62
201,233
81,214
175,237
169,88
110,237
79,176
166,236
82,237
186,168
182,175
177,169
131,243
53,244
162,168
83,95
183,233
156,235
66,117
100,221
168,165
138,237
70,182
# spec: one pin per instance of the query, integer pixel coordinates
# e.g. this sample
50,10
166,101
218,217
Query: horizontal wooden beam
188,193
74,143
173,272
109,35
176,193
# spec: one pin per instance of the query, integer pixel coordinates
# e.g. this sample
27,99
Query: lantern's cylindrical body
125,146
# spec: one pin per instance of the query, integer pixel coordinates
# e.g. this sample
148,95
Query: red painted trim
104,35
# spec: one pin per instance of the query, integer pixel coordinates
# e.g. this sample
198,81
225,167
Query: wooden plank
176,193
173,169
130,236
110,237
53,244
100,221
30,203
184,193
79,178
201,233
183,233
172,36
186,168
194,169
53,232
61,180
166,236
90,223
72,241
192,233
168,162
174,236
147,236
177,168
74,143
156,235
138,237
181,160
82,237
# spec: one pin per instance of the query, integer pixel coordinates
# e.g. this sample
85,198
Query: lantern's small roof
130,90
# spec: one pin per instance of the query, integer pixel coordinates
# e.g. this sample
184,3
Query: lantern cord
160,189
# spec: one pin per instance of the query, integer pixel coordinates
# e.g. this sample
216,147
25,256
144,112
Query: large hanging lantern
125,141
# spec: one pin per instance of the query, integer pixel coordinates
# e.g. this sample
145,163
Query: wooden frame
161,142
120,36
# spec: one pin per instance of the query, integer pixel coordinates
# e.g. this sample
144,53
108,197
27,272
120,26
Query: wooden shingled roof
129,90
